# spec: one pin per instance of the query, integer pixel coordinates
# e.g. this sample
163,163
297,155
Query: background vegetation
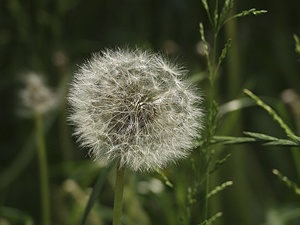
53,37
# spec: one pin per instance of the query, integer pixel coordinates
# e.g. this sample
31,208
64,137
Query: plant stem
119,187
43,166
206,194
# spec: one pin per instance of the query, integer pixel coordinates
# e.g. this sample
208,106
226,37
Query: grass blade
95,192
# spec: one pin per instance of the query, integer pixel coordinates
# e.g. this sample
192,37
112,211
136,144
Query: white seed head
36,96
134,107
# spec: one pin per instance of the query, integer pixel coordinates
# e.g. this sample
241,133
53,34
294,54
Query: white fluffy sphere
134,107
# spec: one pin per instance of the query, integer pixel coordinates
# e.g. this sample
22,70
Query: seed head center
141,109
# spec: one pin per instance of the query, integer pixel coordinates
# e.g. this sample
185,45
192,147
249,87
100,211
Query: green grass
52,38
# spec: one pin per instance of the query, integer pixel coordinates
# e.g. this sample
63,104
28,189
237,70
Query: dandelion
134,107
36,97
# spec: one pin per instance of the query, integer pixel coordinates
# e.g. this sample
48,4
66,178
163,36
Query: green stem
206,194
43,166
296,158
119,187
214,61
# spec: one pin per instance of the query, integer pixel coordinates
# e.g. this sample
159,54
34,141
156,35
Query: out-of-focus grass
52,37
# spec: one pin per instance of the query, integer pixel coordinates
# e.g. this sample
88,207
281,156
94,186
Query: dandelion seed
134,107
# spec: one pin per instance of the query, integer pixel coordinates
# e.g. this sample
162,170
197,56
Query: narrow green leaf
254,137
236,104
275,116
226,140
283,142
260,136
269,140
95,192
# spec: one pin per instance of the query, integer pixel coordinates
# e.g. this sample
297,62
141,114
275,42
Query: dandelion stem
119,187
43,166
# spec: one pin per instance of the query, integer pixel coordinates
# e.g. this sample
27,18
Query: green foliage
218,163
224,52
255,137
223,17
214,60
250,12
165,179
297,40
16,216
219,188
54,37
211,219
95,193
275,116
287,181
282,216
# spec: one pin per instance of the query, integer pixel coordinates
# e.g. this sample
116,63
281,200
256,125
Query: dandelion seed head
133,106
36,97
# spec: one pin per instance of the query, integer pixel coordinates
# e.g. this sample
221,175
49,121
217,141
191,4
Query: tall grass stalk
218,17
295,152
43,166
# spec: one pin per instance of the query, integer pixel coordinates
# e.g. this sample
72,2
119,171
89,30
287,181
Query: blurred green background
53,37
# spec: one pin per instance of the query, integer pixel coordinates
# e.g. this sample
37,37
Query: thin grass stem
206,194
43,166
275,116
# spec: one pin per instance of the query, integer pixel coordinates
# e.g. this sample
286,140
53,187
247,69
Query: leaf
283,142
275,116
227,140
95,192
254,137
260,136
272,141
234,105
